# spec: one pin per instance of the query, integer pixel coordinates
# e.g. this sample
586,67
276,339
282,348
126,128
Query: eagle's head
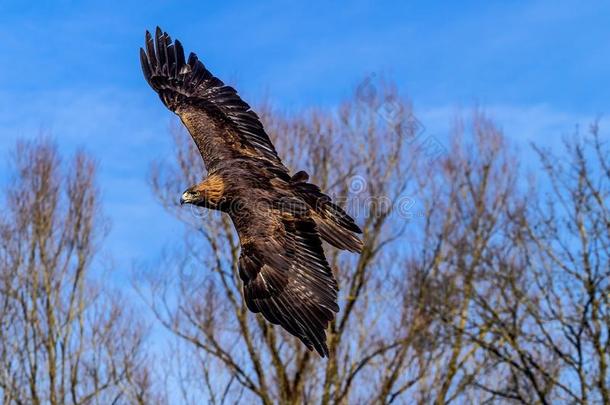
208,194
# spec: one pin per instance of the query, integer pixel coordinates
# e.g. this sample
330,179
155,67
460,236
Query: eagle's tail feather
335,225
337,235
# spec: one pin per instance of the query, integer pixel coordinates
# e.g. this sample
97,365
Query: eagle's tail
335,225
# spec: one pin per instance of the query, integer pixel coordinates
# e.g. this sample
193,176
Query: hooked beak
184,198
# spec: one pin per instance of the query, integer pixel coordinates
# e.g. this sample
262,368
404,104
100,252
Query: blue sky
71,69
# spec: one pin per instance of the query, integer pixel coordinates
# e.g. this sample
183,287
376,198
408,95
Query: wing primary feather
306,327
166,43
151,53
180,63
192,59
145,64
171,54
159,45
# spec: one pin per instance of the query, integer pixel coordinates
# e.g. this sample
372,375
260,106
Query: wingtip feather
145,63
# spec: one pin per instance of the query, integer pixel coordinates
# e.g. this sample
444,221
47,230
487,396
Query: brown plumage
280,219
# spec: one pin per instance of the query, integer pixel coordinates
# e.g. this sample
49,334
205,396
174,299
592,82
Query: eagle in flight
281,219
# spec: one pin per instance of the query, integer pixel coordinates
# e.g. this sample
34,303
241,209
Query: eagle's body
280,219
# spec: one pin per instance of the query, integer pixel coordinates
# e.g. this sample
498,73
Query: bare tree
204,307
551,331
527,269
477,284
63,337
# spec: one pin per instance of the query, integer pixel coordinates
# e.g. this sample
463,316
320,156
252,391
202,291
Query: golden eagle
280,219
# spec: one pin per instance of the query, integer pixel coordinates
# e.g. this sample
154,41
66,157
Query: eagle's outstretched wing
286,276
222,125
